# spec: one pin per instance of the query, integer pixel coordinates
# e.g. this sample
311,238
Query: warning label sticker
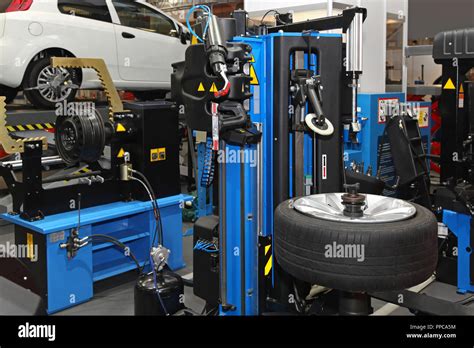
449,85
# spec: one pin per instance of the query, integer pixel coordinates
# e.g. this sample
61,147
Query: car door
85,28
146,46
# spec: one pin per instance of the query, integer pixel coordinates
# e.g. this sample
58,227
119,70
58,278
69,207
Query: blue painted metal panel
460,225
368,138
366,147
241,257
172,218
251,247
92,215
70,281
261,113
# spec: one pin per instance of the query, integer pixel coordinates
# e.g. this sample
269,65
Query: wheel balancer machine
77,217
274,106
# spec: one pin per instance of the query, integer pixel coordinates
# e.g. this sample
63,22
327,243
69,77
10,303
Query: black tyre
397,255
9,93
51,82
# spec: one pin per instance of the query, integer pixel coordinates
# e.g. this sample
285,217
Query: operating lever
307,88
74,242
314,99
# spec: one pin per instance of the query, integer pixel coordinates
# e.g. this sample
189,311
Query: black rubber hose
118,243
155,206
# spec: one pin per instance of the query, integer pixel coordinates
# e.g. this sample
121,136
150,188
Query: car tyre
35,96
397,255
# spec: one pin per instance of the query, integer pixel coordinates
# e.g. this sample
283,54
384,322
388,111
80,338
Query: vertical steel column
243,231
223,228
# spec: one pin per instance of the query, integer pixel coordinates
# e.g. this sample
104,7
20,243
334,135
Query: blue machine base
460,225
68,282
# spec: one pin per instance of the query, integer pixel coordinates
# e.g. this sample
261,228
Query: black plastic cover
454,44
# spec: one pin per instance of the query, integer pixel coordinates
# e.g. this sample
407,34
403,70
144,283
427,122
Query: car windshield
4,5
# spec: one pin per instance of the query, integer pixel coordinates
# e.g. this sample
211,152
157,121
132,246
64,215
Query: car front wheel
46,86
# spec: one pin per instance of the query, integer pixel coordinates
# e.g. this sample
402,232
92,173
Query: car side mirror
174,33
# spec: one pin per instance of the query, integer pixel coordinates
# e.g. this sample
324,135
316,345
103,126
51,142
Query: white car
137,41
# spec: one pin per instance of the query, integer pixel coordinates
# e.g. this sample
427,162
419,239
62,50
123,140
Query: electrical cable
206,246
156,208
158,226
207,177
156,229
267,13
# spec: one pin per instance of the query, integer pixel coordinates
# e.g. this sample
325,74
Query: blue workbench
68,282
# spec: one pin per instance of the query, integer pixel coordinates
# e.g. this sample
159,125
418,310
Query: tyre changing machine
455,200
239,276
269,157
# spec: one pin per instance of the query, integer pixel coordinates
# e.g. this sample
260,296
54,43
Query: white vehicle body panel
24,34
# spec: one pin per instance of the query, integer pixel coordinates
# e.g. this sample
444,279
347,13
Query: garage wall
374,56
429,17
265,5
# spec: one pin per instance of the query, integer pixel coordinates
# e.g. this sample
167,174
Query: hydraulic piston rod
354,61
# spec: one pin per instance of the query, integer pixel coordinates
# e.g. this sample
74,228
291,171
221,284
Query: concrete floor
114,296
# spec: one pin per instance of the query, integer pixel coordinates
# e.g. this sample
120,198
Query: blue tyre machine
268,159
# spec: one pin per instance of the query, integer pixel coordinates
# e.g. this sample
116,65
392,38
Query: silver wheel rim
377,209
53,84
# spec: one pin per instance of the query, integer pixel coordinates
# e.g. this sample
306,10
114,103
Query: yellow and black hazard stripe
84,170
268,260
265,267
30,127
265,256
